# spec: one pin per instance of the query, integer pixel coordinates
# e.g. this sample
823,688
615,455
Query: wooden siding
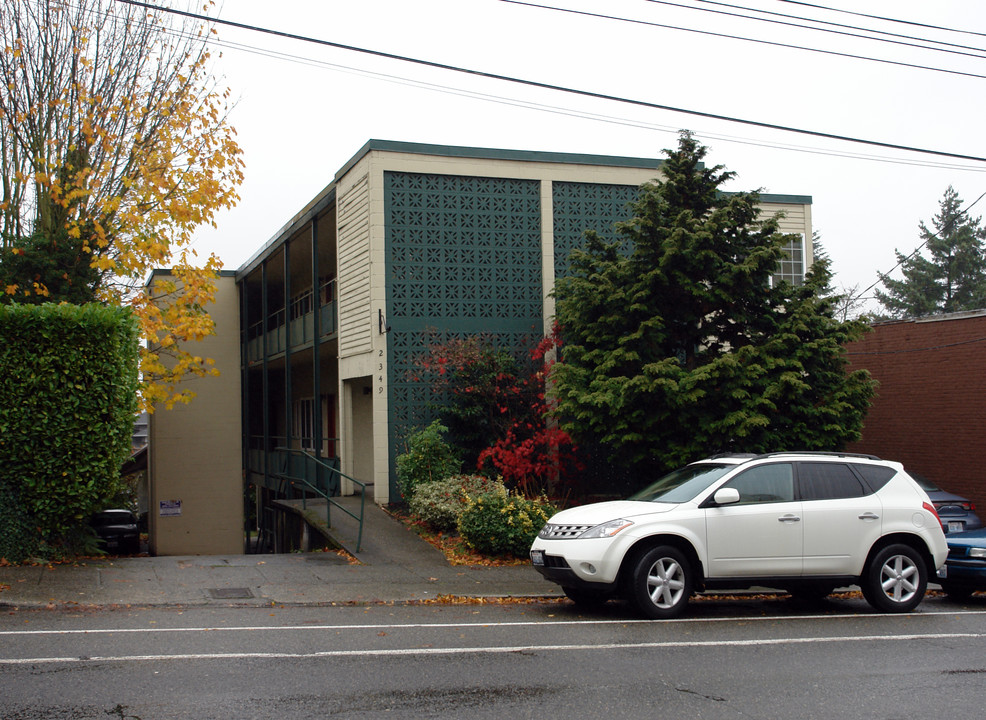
794,220
355,322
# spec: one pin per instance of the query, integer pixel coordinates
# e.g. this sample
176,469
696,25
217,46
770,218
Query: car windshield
682,485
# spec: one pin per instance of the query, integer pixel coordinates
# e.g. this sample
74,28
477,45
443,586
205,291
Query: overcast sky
304,109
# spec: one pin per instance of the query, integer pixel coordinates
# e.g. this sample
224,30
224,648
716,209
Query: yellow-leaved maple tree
115,146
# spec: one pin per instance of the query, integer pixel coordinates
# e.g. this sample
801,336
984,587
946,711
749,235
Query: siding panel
354,270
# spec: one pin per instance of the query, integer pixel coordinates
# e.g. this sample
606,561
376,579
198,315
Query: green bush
68,394
498,523
428,458
18,538
440,503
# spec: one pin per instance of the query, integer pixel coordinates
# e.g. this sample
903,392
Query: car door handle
869,516
788,519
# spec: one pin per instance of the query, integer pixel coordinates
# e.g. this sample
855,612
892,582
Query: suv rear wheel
660,583
895,579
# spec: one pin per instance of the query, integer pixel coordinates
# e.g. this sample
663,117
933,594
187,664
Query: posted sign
170,508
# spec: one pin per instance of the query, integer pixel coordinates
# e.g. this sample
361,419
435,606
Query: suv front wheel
660,583
895,579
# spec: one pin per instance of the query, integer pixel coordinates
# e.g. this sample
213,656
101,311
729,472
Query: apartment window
791,268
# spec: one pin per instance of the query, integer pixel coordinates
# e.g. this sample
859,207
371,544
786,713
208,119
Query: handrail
304,482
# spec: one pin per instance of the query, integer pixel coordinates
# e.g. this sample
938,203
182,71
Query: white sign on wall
170,508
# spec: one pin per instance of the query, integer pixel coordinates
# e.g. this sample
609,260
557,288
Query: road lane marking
478,625
410,652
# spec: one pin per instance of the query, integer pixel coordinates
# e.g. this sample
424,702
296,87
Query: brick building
930,409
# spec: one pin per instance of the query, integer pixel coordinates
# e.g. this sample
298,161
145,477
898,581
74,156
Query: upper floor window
791,268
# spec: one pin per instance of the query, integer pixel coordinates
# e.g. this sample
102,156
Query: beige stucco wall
195,454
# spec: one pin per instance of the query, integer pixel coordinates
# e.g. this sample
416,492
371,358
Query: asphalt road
729,658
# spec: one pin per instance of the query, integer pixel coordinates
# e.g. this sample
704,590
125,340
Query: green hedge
499,523
440,503
68,395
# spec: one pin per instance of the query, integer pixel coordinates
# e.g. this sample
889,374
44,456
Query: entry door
762,534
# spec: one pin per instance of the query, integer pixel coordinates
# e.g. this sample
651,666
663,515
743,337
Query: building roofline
480,153
324,199
959,315
166,272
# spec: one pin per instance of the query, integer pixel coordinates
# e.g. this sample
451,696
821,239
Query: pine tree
683,347
952,278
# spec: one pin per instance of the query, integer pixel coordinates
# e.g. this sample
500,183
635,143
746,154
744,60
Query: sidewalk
395,566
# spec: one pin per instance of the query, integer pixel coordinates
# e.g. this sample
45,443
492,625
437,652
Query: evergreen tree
685,347
952,278
43,269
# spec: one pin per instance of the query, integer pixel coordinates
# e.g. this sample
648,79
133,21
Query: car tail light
961,504
931,508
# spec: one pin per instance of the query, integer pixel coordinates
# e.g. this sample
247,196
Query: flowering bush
499,523
440,503
477,387
498,412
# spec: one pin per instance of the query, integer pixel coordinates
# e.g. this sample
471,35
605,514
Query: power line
582,114
569,111
832,24
931,235
886,19
552,87
757,41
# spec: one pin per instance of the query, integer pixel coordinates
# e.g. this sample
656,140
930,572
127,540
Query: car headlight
606,529
977,552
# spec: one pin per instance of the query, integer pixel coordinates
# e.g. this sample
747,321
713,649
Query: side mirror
726,496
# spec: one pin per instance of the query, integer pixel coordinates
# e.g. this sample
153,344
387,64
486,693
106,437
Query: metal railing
327,490
280,329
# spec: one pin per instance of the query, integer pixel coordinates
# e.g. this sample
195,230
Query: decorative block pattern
463,257
587,206
463,247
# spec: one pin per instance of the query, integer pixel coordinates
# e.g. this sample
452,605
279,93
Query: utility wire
556,88
581,114
757,41
406,81
886,19
829,23
919,248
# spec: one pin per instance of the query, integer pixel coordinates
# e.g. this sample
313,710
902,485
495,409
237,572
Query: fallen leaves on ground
494,600
456,551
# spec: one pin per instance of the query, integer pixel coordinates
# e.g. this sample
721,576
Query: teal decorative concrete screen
587,206
463,257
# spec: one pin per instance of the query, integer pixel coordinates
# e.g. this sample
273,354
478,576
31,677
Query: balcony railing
296,326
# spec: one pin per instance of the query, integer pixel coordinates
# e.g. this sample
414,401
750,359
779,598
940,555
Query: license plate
954,526
537,557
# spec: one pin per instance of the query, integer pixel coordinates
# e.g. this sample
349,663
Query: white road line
410,652
477,625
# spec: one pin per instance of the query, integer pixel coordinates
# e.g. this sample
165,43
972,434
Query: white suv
803,522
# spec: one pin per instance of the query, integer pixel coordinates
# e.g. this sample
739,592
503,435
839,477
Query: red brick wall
930,409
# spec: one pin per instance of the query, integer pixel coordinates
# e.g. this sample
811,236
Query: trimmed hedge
68,395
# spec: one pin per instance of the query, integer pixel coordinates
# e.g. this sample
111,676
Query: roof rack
821,453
